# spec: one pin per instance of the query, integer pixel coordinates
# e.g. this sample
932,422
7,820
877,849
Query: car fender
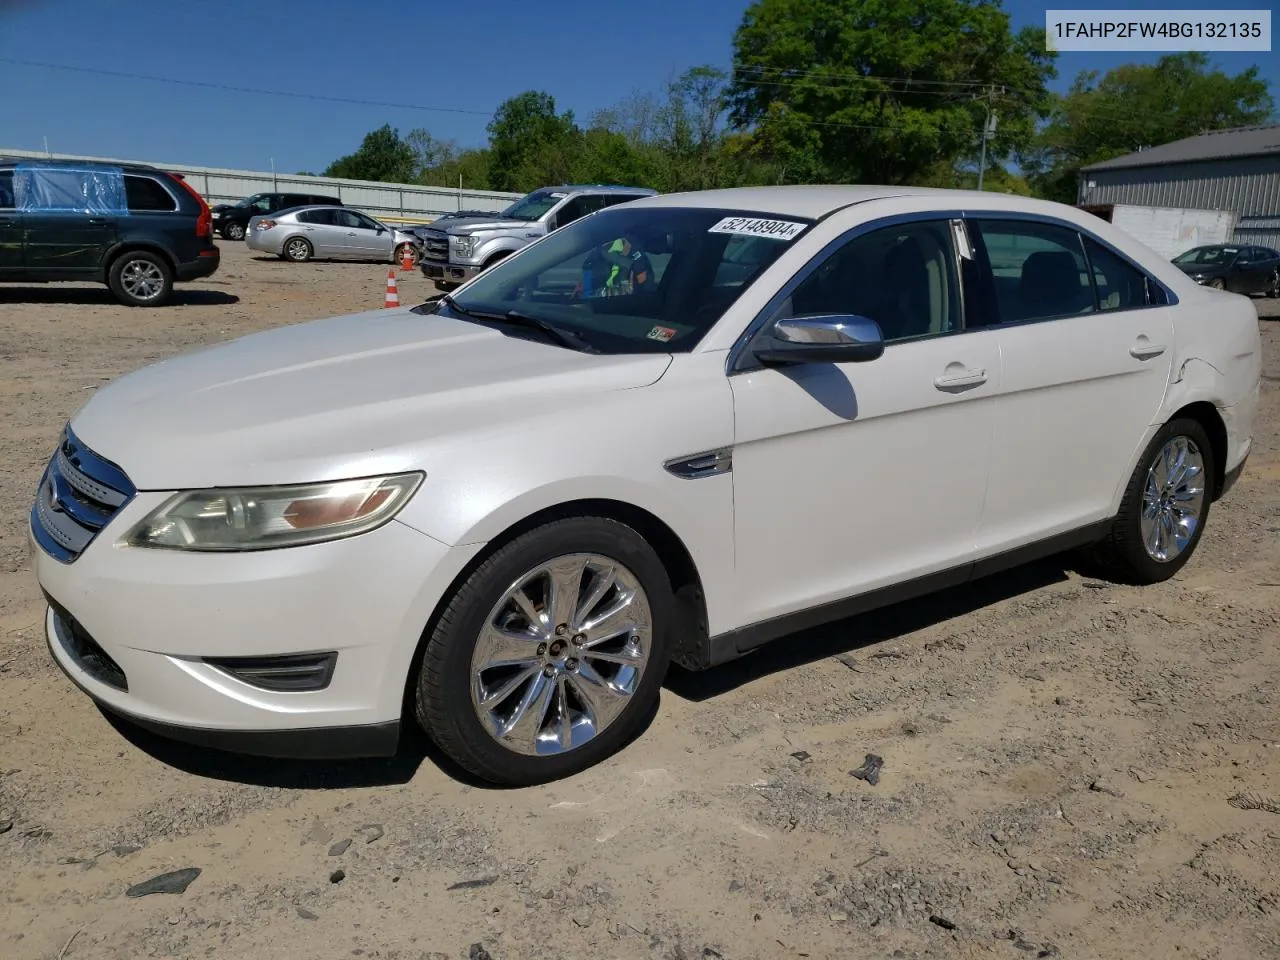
126,244
502,244
1196,381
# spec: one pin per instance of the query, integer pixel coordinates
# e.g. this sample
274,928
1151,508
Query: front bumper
448,272
154,615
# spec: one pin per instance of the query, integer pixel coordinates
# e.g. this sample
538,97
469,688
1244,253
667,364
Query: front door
848,477
10,229
1085,363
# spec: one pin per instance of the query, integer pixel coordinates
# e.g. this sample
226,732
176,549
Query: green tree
882,90
382,156
1140,105
531,144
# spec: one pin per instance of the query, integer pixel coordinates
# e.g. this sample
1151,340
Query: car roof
816,201
600,188
6,161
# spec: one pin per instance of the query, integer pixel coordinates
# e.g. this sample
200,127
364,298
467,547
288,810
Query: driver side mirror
835,338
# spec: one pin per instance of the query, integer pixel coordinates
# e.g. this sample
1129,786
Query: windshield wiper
566,338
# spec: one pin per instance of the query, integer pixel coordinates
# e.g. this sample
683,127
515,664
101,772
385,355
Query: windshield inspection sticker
663,334
751,227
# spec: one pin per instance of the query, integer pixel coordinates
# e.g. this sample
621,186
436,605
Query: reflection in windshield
250,201
1207,255
533,206
634,280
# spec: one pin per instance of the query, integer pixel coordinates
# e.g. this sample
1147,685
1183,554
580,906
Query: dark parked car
1239,268
231,220
133,227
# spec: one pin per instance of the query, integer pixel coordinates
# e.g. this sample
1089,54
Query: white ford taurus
676,429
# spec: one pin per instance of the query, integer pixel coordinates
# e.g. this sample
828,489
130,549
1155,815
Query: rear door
10,229
1086,352
327,236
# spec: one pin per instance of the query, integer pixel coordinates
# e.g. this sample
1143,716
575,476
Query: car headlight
262,518
464,246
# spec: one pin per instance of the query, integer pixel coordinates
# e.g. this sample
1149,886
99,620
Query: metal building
1236,170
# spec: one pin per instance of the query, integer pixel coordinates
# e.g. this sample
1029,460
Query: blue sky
464,56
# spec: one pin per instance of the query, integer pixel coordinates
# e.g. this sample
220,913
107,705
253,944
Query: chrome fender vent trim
710,463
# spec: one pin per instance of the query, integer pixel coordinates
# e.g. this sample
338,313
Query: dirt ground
1059,756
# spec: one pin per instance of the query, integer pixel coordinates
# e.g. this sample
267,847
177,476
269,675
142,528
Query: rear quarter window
147,195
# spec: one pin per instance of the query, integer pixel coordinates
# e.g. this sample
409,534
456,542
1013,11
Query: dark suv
133,227
231,220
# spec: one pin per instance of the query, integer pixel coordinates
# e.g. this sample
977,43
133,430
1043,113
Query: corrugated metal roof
1237,142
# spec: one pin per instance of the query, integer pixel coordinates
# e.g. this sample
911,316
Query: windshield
648,280
1207,255
533,206
250,201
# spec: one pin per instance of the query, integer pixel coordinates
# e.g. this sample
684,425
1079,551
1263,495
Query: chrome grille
78,495
435,245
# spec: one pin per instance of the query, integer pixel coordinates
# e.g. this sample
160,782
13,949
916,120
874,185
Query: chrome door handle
1142,350
970,378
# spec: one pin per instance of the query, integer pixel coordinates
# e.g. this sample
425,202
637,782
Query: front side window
1038,270
627,280
903,277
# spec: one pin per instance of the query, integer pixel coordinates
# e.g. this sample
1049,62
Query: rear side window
1038,270
146,194
6,190
1120,286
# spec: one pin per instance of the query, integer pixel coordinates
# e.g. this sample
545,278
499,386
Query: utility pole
988,131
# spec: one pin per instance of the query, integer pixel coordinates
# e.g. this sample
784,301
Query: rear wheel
298,250
140,278
549,657
233,231
1164,509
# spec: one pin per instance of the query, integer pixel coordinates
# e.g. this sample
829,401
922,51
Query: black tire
1218,283
233,231
140,278
1123,556
496,258
1273,287
442,695
397,255
297,250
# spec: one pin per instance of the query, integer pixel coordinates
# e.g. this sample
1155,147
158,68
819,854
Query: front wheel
1273,286
410,250
549,657
1165,507
1218,283
140,278
233,231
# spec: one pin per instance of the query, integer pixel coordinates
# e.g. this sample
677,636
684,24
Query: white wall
1170,231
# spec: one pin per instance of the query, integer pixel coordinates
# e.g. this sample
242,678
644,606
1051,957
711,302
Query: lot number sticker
751,227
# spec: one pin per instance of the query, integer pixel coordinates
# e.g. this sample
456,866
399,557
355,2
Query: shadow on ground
211,764
101,296
854,633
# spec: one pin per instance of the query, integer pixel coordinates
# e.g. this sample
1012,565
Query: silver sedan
329,233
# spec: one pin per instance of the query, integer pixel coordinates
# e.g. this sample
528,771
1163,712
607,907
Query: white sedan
674,430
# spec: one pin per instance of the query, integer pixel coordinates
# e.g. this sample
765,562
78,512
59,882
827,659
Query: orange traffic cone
392,298
406,260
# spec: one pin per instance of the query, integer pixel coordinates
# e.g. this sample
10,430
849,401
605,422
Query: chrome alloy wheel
142,280
297,249
1172,499
561,654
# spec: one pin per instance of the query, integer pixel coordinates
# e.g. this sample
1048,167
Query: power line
222,86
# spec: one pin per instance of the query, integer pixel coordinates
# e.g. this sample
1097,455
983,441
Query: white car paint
846,477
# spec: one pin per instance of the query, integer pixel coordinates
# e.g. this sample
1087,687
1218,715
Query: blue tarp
56,188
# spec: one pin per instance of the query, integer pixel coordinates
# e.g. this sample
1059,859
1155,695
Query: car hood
465,225
374,392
